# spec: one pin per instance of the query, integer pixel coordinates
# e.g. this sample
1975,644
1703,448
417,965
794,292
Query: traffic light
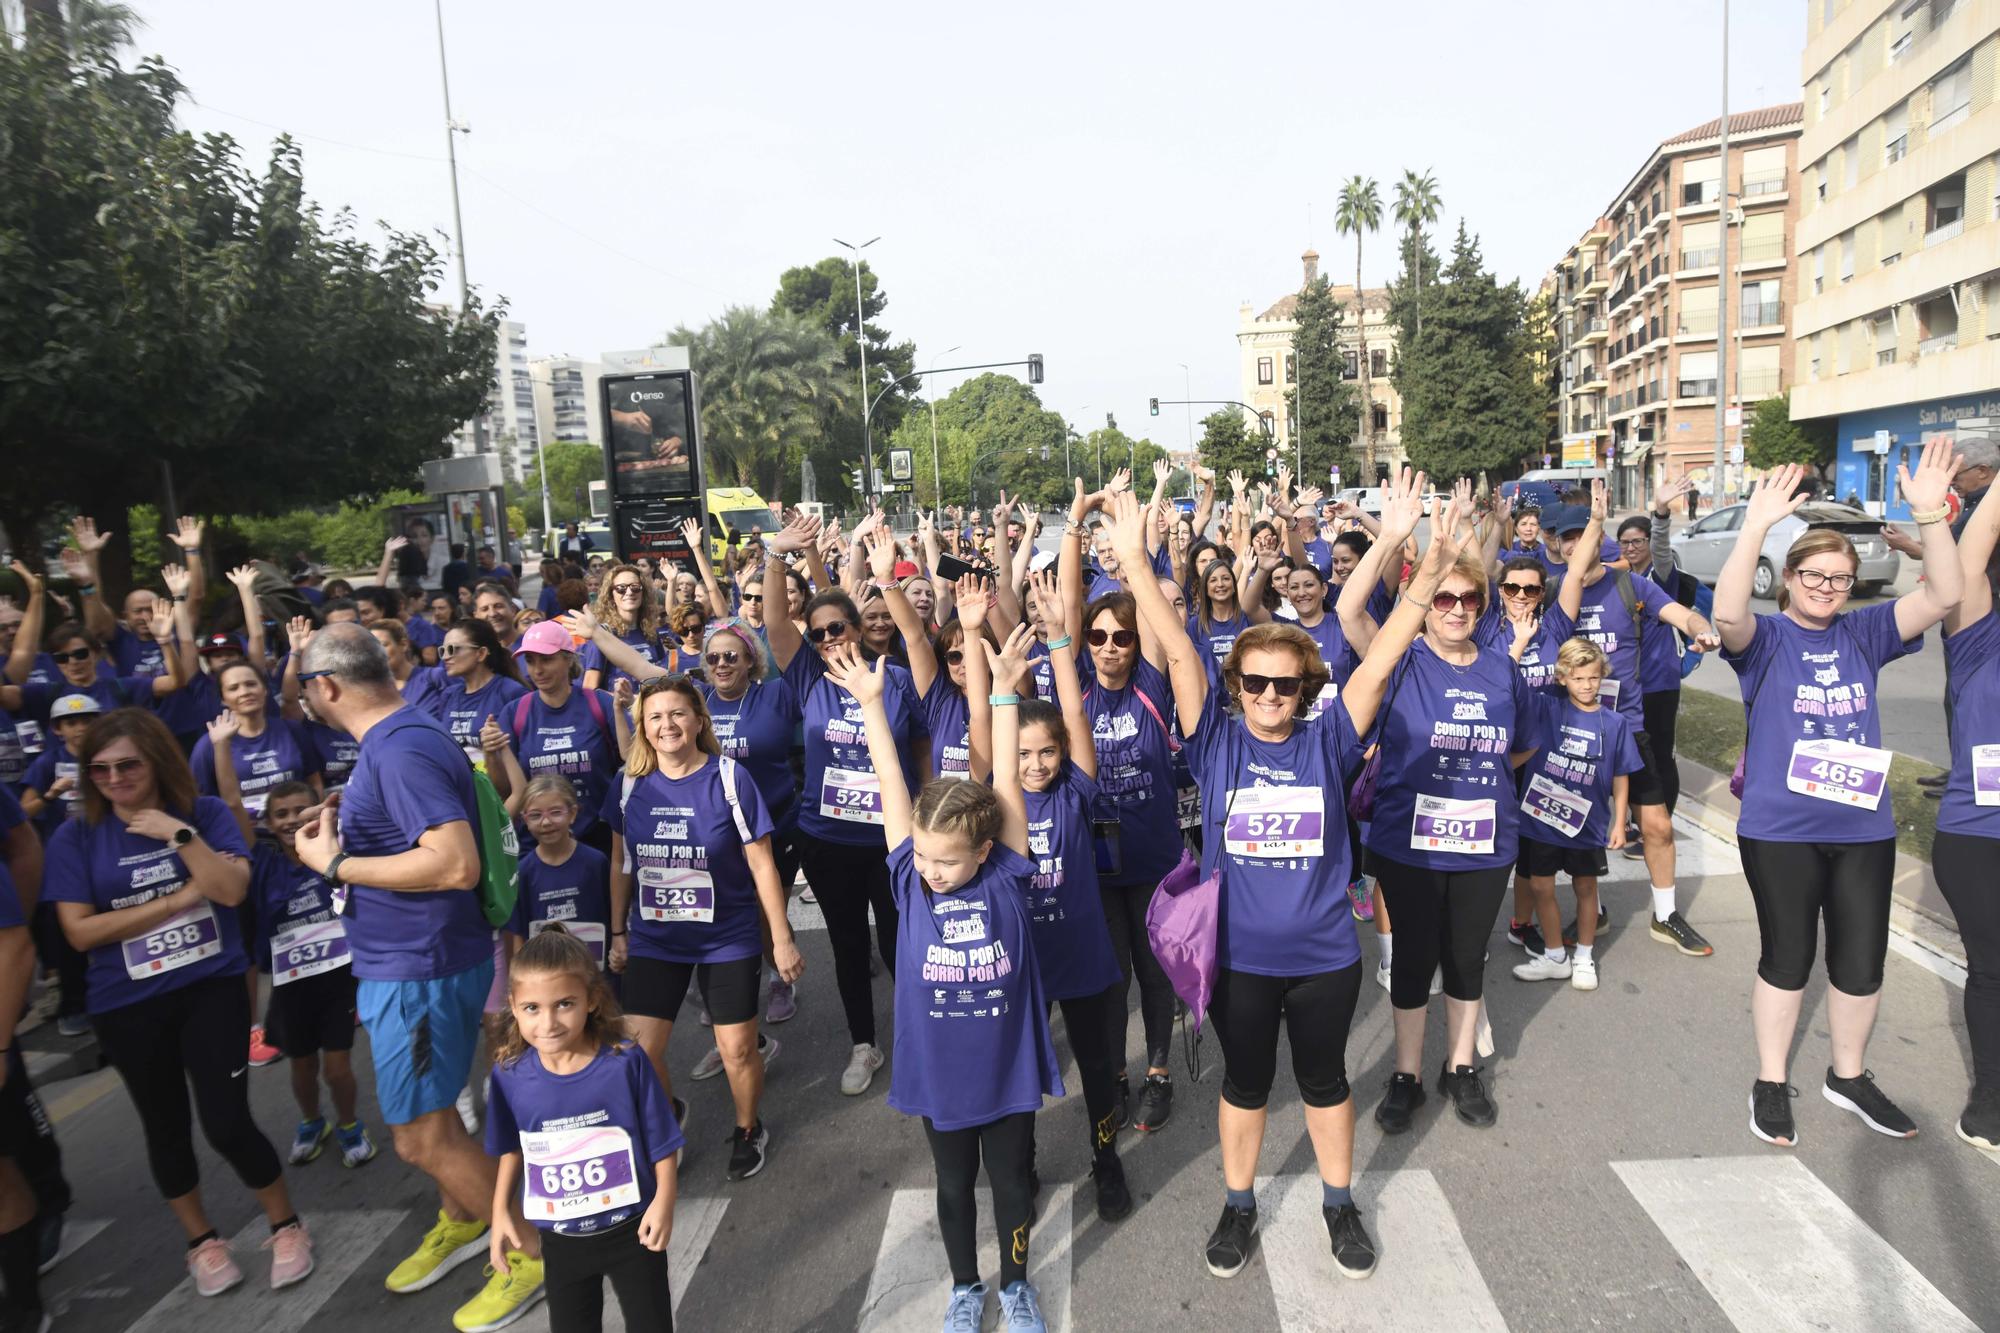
1034,367
1110,422
1154,404
854,478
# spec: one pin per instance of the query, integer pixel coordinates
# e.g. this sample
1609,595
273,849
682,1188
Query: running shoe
968,1305
1541,967
1353,1247
1530,939
784,1003
708,1066
1361,898
1517,931
1114,1196
1979,1125
806,895
291,1255
1861,1096
1635,846
680,1110
1382,974
309,1140
861,1067
444,1247
1603,924
49,1235
1399,1108
1230,1243
505,1298
213,1267
262,1052
1021,1309
1676,931
1437,980
355,1145
1468,1095
467,1112
73,1025
1771,1113
747,1149
1933,779
1156,1103
1583,974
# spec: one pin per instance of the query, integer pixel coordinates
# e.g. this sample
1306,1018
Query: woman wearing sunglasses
78,655
561,729
628,610
480,682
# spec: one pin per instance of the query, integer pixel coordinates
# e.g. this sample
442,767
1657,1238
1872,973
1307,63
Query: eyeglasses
1634,542
1521,590
116,768
1124,638
75,655
724,657
305,676
753,597
1286,686
1446,601
1819,578
833,629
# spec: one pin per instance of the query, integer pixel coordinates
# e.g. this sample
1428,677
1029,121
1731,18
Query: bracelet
333,868
616,933
1405,595
886,584
1925,517
85,589
1063,642
1001,700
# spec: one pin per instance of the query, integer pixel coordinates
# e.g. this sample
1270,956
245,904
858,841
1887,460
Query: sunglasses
454,649
724,657
116,768
753,597
833,629
1286,686
75,655
626,590
953,656
1124,638
305,676
1522,590
1446,601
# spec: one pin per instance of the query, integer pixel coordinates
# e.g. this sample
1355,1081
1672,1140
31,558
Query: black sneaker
1603,924
1156,1103
1230,1243
747,1149
1933,779
1353,1248
1399,1108
1516,930
50,1238
1771,1113
1531,940
1468,1095
1861,1096
1121,1115
1676,931
1114,1199
1980,1123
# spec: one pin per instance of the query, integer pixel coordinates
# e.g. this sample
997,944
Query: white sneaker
1543,968
1437,980
467,1112
1382,973
1583,974
861,1067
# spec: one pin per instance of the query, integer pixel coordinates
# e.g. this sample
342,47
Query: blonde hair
1812,542
1579,652
1472,569
550,784
960,806
553,951
640,758
608,614
1277,636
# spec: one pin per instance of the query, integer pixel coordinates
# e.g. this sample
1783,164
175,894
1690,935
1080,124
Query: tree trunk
1366,435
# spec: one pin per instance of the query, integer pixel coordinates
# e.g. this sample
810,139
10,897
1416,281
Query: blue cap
1565,519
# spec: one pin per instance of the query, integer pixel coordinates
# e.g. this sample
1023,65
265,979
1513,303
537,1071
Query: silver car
1703,546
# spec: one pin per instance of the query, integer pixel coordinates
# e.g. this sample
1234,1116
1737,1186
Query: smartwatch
183,836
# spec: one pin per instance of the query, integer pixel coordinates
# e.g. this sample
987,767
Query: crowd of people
513,843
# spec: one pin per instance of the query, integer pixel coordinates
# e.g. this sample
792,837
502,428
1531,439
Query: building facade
1897,332
1640,300
510,404
568,406
1268,370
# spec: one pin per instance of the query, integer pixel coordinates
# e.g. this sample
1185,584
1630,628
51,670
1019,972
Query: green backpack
499,853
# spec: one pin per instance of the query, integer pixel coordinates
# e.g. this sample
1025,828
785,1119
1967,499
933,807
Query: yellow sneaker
445,1247
506,1298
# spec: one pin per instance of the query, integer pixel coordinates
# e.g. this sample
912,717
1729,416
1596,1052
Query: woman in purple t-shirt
1816,831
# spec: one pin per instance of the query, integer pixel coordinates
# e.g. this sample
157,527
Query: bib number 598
173,939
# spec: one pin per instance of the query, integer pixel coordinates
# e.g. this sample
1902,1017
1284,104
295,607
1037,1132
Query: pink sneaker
213,1268
291,1255
262,1052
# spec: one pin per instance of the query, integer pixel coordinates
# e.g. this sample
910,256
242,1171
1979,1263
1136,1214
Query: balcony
1708,256
1770,182
1592,281
1764,250
1622,295
1588,379
1757,385
1943,342
1939,235
1600,231
1695,388
1695,324
1588,331
1760,315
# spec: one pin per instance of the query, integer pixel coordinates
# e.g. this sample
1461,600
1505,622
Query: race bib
1986,774
676,893
187,937
1324,699
1563,809
592,933
575,1173
1607,690
851,794
1840,772
307,951
1273,823
1446,824
1187,806
30,734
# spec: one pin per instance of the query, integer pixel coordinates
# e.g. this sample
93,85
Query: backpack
725,768
499,883
527,700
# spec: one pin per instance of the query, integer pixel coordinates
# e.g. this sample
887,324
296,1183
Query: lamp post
452,129
937,486
1722,279
861,342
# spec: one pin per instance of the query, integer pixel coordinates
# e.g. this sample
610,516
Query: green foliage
991,433
346,537
823,294
1774,438
771,385
1330,405
1417,206
572,467
1360,212
1230,442
1411,291
142,530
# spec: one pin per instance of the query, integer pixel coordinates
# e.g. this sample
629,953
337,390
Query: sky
1103,184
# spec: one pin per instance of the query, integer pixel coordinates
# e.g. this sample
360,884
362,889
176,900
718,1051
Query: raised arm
1262,569
28,639
798,535
1492,526
1183,665
1010,676
385,572
1943,584
298,633
1585,555
1402,507
979,687
1975,550
181,657
245,579
227,786
187,535
1204,507
87,574
1365,689
881,549
1062,674
691,534
1069,564
1661,533
1005,599
1770,499
845,668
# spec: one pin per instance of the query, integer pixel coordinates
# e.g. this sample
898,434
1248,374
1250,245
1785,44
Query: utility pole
1722,282
452,129
861,342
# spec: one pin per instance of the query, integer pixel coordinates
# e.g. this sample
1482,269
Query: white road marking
911,1282
695,1223
1929,959
1426,1277
342,1242
1777,1249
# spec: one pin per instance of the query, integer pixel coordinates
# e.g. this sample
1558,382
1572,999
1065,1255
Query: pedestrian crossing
343,1242
910,1283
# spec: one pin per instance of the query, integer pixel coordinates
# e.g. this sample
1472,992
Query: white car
1368,499
1703,546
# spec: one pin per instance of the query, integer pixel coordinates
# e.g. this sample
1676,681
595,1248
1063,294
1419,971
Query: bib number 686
571,1177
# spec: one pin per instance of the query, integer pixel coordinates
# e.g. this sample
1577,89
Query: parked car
1703,546
1366,498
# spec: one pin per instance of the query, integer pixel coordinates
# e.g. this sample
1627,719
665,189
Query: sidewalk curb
1917,910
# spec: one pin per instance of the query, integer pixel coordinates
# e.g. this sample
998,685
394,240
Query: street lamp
937,487
861,341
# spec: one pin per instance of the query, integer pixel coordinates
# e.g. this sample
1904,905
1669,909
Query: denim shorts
423,1035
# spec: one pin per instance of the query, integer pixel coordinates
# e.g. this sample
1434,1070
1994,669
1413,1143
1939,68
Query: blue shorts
423,1035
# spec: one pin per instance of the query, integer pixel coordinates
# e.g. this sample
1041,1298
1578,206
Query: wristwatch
183,836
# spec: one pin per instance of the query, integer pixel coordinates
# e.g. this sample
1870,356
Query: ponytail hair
960,806
553,951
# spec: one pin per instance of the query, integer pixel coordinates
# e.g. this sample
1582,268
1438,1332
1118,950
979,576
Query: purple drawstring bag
1181,924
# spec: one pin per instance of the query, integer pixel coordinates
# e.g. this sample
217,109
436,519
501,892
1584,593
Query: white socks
1583,952
1663,902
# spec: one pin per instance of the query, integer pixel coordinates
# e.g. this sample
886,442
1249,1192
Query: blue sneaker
968,1303
1021,1310
355,1145
310,1139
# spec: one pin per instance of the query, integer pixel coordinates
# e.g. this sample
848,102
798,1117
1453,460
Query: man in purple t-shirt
402,853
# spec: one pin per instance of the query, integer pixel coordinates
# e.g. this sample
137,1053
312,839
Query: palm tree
767,378
1361,211
1417,204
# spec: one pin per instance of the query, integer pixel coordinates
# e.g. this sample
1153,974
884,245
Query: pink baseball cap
545,636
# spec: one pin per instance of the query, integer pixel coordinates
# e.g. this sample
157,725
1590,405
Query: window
1824,93
1937,325
1701,245
1819,270
1378,362
1701,181
1697,313
1759,306
1763,171
1378,418
1850,163
1896,134
1291,368
1761,239
1757,373
1349,368
1846,255
1263,370
1697,375
1946,204
1884,334
1819,181
1951,95
1270,424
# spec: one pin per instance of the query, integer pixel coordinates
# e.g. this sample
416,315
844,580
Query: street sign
1732,417
1736,455
899,464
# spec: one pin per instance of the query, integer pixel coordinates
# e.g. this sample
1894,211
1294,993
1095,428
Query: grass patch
1709,730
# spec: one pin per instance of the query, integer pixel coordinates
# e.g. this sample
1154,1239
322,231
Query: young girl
582,1129
563,882
1573,793
977,1063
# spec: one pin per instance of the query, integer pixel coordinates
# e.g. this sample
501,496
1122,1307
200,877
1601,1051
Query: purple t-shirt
464,715
192,707
972,1028
52,764
410,778
13,753
576,894
1972,683
1335,652
842,800
1566,787
1804,689
948,720
282,754
1275,830
108,868
1444,796
134,656
423,633
571,742
12,816
1072,938
334,752
1135,774
693,897
756,731
652,647
284,895
424,689
109,691
1537,664
1603,619
1219,637
589,1141
1039,671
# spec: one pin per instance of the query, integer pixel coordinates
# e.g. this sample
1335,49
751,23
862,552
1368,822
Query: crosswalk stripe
1777,1249
695,1225
911,1281
1426,1277
342,1242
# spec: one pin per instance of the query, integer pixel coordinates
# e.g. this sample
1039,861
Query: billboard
649,435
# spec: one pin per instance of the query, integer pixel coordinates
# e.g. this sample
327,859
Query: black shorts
313,1014
1643,787
731,990
1549,858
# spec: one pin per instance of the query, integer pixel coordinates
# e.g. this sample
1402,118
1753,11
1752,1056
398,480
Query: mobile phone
951,569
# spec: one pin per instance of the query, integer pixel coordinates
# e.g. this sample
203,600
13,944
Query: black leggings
1317,1010
1092,1022
192,1036
1125,912
847,881
573,1274
1008,1146
29,1137
1964,866
1442,918
1659,709
1795,883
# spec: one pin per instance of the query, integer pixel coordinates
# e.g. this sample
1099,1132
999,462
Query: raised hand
1284,481
1162,469
1925,489
845,667
1237,481
223,729
1403,506
691,534
176,578
881,555
31,583
974,598
244,577
1001,510
298,633
1663,499
1048,596
1010,664
1308,498
623,695
581,624
187,534
88,540
1128,531
795,535
394,544
1120,483
1503,513
1772,497
74,566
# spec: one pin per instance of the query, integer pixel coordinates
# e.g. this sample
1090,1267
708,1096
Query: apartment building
1898,335
568,406
510,404
1638,303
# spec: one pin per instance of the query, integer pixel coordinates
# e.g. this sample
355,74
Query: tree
992,433
1229,442
1471,403
1775,439
823,294
572,467
1361,211
1417,205
770,384
1320,402
1541,330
